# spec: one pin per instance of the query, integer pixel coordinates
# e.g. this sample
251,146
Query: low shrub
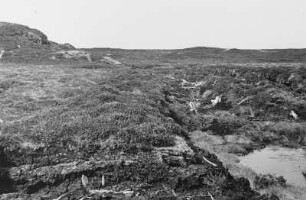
268,180
221,123
293,131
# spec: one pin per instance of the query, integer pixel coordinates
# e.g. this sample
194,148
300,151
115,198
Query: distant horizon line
160,49
192,47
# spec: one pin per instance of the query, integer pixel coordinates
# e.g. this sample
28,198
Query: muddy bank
265,172
180,174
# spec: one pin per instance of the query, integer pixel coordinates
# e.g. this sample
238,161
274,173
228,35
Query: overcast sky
164,24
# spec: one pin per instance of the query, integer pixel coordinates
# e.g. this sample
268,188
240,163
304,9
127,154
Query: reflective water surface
278,161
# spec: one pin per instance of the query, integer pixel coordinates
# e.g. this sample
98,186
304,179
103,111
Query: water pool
279,161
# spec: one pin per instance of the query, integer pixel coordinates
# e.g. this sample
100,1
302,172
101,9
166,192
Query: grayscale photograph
153,100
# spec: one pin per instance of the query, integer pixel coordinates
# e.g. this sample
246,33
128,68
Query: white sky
164,24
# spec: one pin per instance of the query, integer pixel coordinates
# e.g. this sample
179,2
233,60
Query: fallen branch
215,101
89,81
207,106
103,180
174,193
213,164
294,115
245,99
167,189
125,192
164,187
62,196
1,53
211,196
285,138
85,198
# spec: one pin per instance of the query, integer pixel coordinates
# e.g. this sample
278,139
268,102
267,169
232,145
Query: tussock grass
71,111
66,113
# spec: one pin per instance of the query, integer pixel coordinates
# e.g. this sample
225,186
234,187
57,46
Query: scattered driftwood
215,101
244,100
127,193
184,82
84,180
62,196
174,193
110,60
103,180
294,115
213,164
198,84
206,94
30,175
211,196
194,106
167,189
191,85
252,112
284,138
1,53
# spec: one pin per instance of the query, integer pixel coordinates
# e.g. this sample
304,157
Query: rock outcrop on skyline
22,43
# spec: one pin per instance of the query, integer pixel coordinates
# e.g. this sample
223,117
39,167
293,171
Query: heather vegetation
142,124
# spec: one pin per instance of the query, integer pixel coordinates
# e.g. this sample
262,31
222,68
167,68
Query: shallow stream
279,161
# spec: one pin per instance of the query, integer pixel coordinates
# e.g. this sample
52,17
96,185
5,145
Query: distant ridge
22,43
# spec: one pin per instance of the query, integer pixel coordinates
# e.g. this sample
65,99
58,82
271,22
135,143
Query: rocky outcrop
72,54
68,46
24,44
110,60
16,31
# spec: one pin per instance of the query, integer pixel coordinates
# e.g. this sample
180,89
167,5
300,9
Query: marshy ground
147,124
